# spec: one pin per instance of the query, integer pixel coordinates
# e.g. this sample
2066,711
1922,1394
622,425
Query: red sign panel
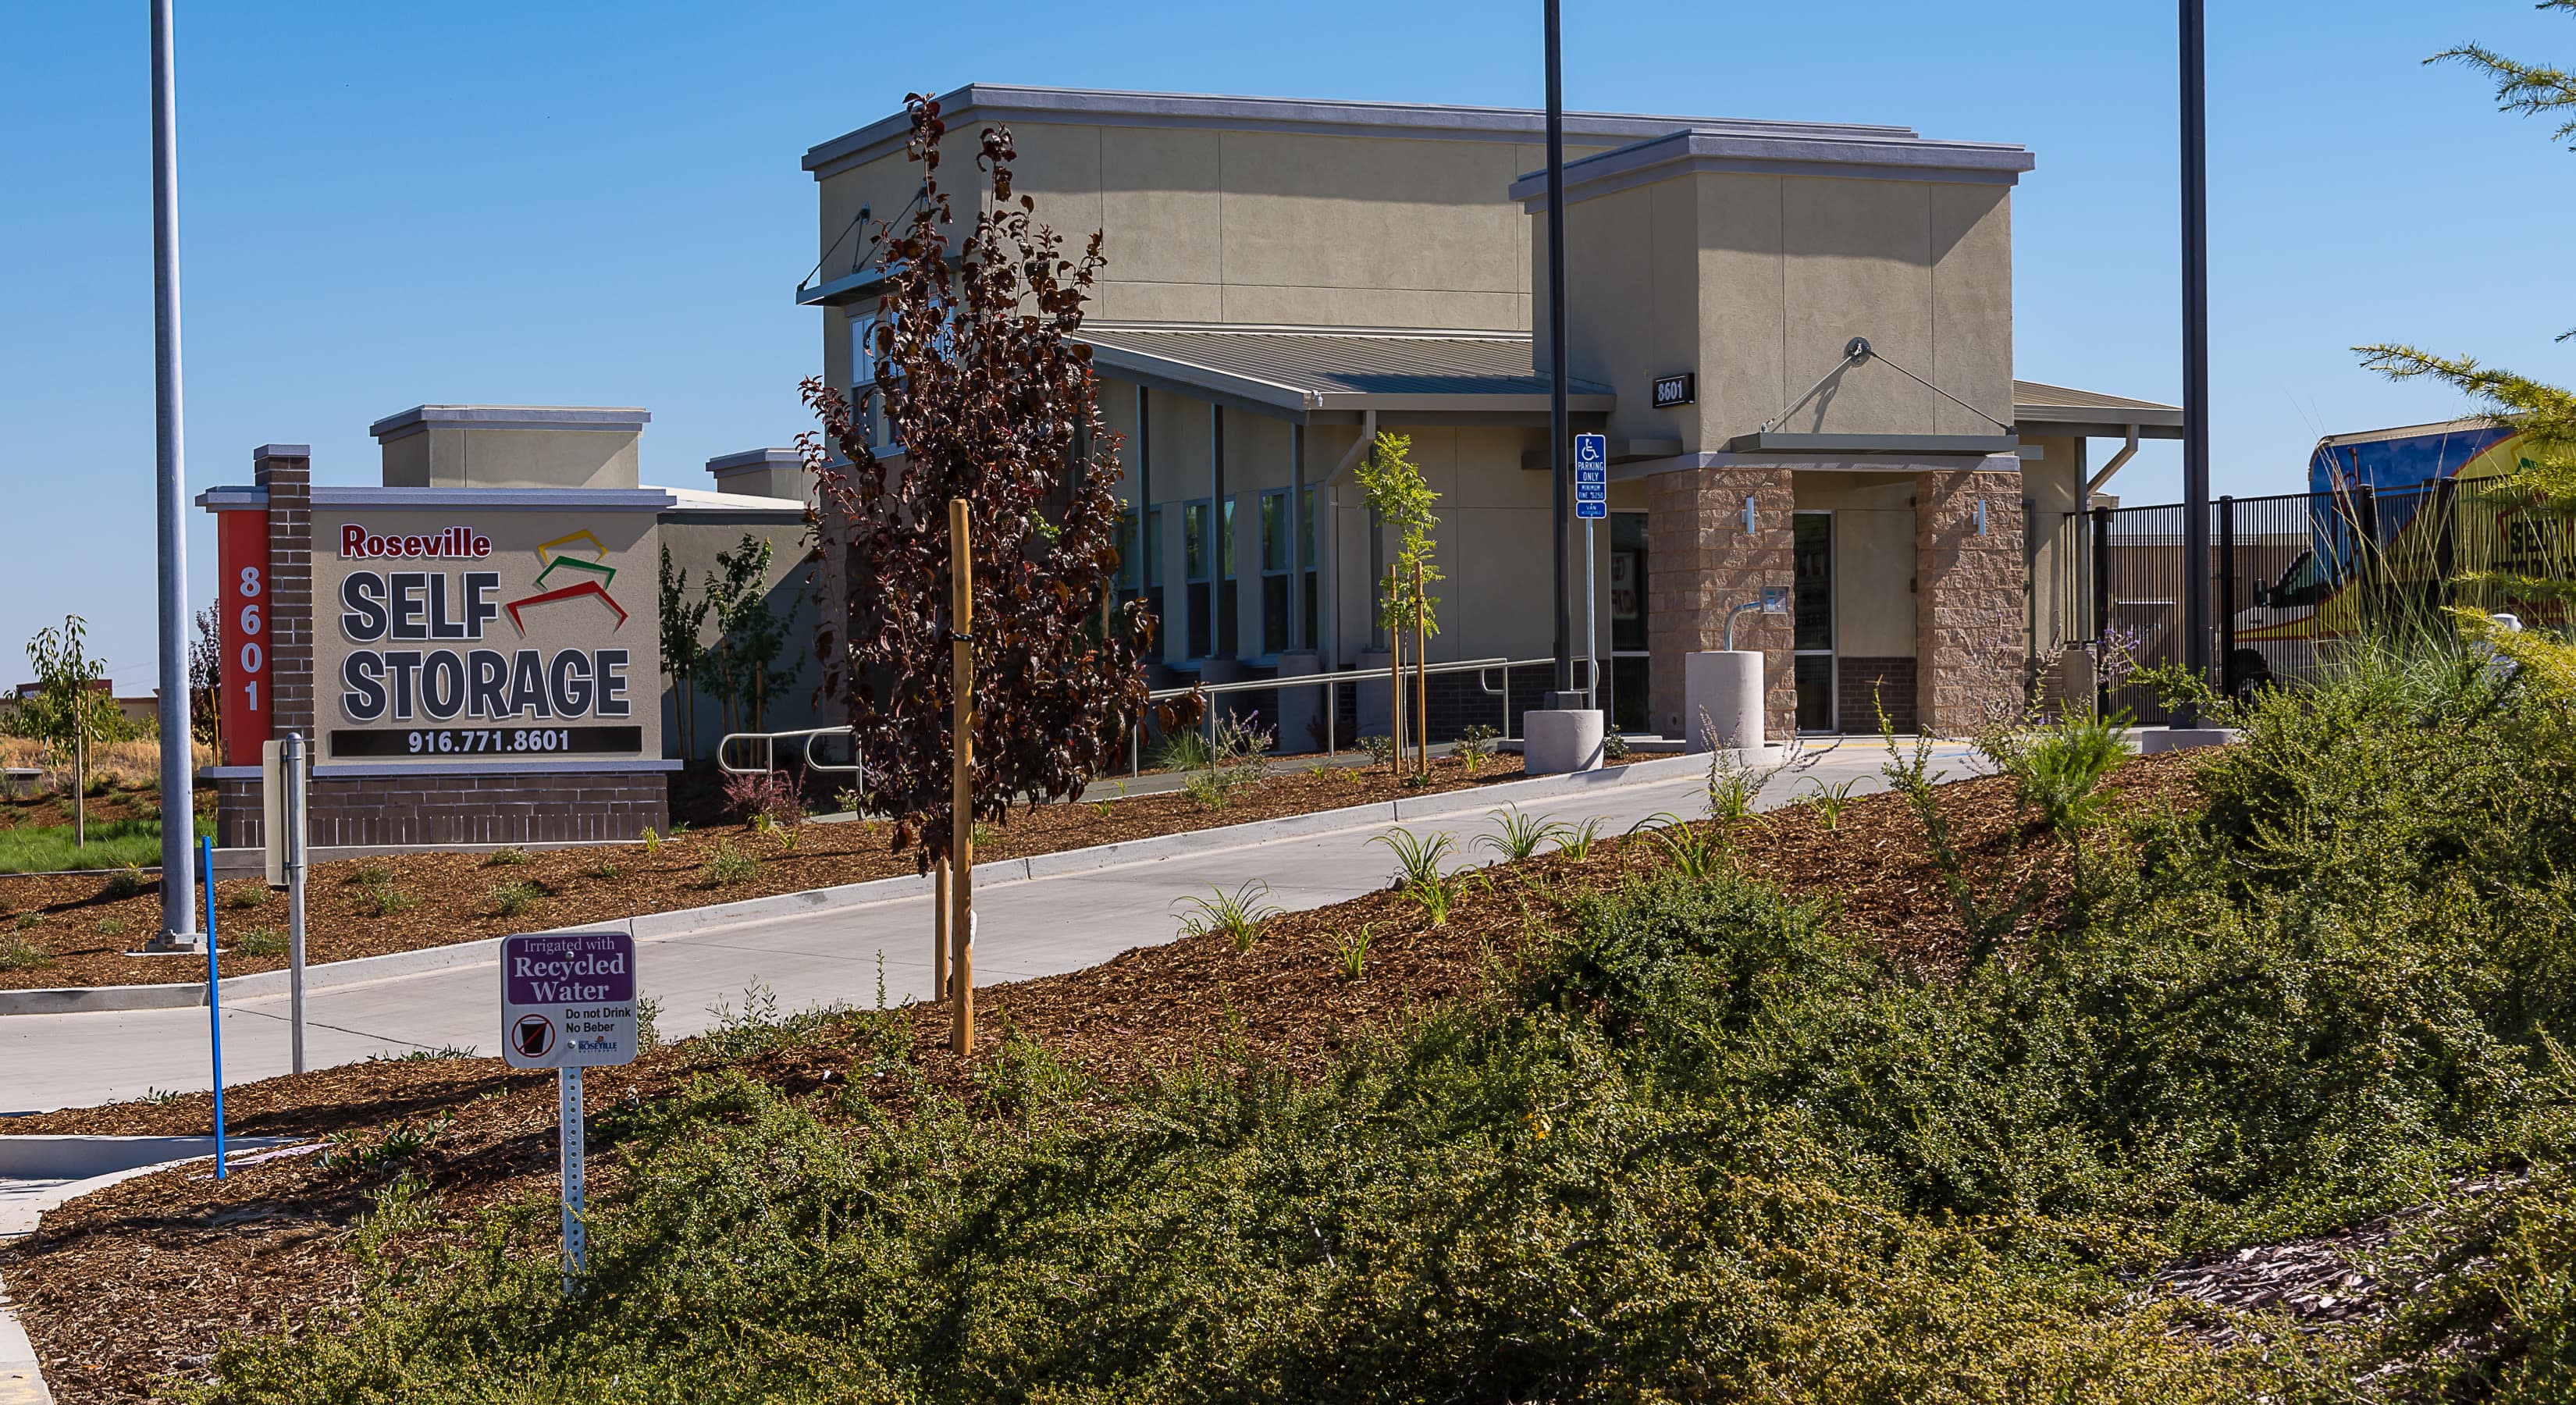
241,553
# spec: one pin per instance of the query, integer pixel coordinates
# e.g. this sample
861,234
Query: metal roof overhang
2041,408
2083,422
1303,401
1911,446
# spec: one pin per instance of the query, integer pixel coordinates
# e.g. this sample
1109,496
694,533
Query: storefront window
1277,577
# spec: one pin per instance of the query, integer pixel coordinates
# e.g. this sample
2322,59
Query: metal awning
2040,408
1304,374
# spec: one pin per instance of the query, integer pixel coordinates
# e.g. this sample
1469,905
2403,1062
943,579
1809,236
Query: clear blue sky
591,204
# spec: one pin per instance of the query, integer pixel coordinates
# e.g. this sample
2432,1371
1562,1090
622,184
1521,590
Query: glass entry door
1811,618
1627,699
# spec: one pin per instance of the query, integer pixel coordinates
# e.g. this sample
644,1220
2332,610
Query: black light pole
1557,436
2195,354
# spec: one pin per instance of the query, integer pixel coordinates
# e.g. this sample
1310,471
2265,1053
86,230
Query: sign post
214,998
286,769
568,1003
1591,504
961,748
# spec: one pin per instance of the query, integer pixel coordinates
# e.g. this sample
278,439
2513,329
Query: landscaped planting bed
141,1280
76,930
2239,1078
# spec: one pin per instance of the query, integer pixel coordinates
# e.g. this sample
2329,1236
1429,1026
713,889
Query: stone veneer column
1971,611
1700,562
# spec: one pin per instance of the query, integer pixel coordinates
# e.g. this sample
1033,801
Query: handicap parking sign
1591,448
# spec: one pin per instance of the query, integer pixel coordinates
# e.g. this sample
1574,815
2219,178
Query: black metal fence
2293,575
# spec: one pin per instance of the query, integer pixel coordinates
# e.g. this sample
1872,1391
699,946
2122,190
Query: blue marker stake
214,999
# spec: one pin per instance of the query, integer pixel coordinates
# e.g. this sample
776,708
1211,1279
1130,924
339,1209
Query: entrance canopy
1317,376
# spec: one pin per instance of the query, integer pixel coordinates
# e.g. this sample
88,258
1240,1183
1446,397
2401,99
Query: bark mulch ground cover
83,925
135,1285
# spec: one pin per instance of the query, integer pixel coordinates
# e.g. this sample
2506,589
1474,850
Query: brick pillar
1700,562
1971,641
286,471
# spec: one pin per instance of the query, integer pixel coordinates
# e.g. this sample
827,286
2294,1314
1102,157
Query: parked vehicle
2398,518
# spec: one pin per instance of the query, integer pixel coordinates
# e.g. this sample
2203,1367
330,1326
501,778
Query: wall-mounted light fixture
1748,514
1981,517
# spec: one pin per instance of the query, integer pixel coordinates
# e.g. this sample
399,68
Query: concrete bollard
1722,700
1556,742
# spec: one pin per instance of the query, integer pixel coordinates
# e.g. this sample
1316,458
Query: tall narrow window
1195,569
1277,575
1228,615
1306,570
1811,619
1140,560
870,420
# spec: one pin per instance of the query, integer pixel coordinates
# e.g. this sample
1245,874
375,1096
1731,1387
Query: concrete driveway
1034,927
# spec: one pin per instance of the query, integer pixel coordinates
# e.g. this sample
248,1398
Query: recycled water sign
568,999
474,634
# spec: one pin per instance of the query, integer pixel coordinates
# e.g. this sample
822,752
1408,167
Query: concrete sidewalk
1033,927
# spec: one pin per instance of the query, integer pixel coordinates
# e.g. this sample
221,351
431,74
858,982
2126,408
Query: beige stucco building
1285,279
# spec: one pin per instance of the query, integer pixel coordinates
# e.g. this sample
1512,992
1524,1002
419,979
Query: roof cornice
993,102
1706,149
423,417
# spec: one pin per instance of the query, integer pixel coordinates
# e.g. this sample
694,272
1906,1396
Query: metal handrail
1479,667
769,751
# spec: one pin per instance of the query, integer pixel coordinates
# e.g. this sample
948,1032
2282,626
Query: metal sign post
568,1003
572,1146
214,1000
1591,504
286,772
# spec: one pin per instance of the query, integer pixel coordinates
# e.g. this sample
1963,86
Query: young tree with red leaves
984,396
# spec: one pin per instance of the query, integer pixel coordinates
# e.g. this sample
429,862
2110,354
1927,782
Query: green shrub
513,899
1476,746
1236,916
1704,1142
1180,751
2058,769
20,954
261,941
728,866
256,895
508,856
384,900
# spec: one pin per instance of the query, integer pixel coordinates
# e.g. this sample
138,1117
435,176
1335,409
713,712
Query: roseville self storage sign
471,664
451,638
568,999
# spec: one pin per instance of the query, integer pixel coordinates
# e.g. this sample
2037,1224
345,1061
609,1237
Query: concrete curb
64,1168
651,926
22,1379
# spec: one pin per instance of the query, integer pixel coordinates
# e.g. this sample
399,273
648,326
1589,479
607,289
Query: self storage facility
1286,278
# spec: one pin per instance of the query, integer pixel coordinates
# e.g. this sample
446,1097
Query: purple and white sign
568,999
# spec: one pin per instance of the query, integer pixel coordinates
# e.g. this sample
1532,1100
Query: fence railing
1331,683
769,751
2294,575
767,742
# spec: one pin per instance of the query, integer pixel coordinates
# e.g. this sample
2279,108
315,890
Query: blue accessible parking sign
1591,476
